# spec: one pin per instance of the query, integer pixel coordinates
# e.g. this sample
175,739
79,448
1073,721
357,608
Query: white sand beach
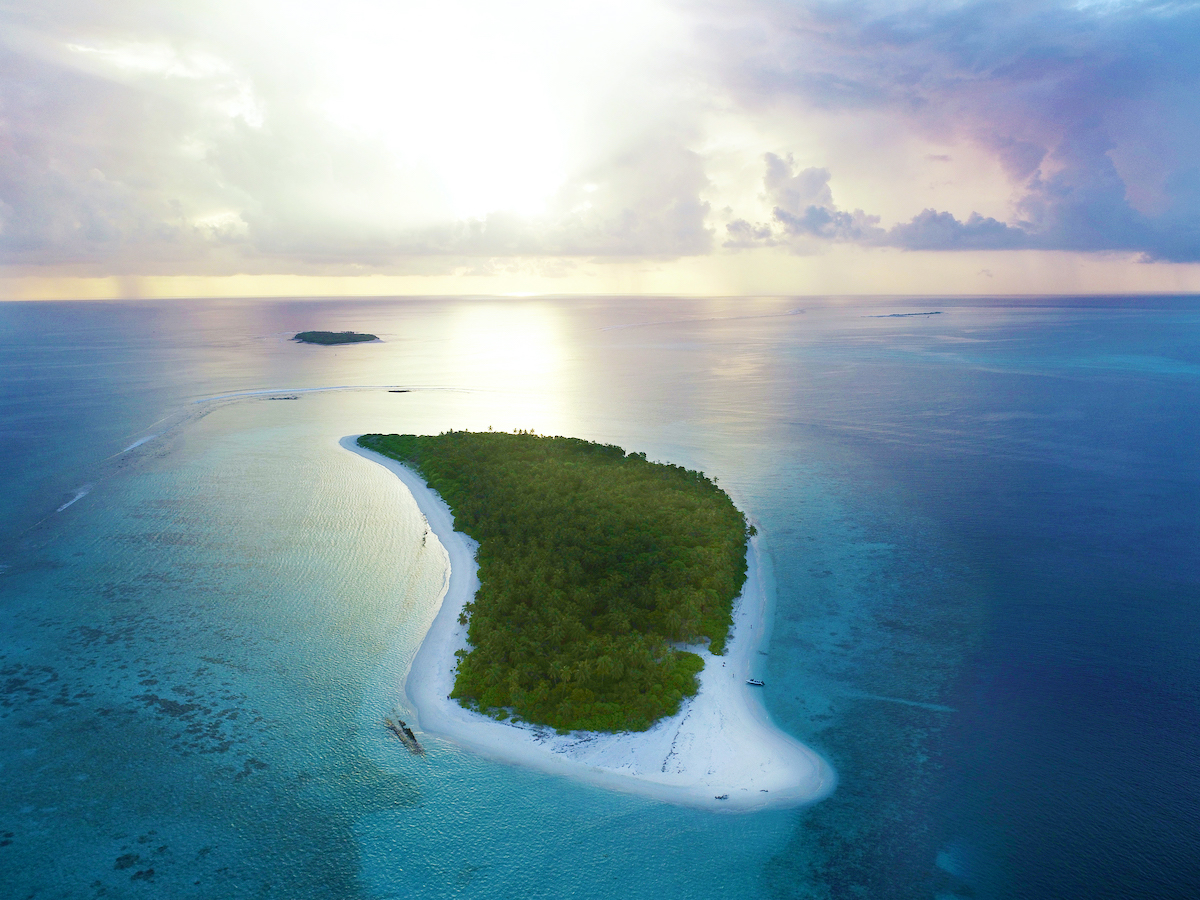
720,751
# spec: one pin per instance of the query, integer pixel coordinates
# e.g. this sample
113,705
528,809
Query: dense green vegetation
333,337
592,563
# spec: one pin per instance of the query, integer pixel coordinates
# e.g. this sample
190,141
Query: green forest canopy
592,563
333,337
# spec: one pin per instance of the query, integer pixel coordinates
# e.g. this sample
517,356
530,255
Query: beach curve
720,751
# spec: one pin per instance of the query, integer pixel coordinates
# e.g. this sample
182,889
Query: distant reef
333,337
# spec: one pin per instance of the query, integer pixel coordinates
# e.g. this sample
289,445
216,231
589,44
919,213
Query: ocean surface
984,527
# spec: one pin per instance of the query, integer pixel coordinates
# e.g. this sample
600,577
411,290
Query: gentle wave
79,495
139,443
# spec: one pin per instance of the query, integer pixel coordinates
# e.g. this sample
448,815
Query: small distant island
595,566
333,337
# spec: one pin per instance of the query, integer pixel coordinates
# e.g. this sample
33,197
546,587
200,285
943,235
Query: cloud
196,140
803,209
933,230
803,205
264,136
1092,109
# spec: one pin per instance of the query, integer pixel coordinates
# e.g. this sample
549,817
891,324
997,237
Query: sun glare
497,101
515,351
457,89
509,343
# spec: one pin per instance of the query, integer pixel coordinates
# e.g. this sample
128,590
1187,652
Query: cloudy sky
756,146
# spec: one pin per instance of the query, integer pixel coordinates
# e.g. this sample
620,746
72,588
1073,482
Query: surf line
79,495
139,443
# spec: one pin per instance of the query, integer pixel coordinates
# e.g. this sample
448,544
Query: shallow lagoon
983,528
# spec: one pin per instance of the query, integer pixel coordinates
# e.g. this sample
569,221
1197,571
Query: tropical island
719,750
595,566
333,337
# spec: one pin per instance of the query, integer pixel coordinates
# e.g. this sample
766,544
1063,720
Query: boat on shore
397,726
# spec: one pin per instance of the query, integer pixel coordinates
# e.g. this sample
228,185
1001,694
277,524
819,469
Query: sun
460,91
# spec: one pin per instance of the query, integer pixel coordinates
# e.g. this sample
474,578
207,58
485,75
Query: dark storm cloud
1093,109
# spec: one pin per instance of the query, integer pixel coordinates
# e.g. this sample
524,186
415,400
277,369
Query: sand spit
720,751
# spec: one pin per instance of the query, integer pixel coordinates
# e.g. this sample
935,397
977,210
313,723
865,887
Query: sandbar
720,751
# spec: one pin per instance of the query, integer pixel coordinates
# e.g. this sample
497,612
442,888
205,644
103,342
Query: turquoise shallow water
982,525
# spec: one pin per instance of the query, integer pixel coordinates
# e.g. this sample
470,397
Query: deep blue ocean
984,527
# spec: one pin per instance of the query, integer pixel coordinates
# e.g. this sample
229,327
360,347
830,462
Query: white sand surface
720,751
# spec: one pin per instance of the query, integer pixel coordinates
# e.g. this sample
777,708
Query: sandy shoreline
720,744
